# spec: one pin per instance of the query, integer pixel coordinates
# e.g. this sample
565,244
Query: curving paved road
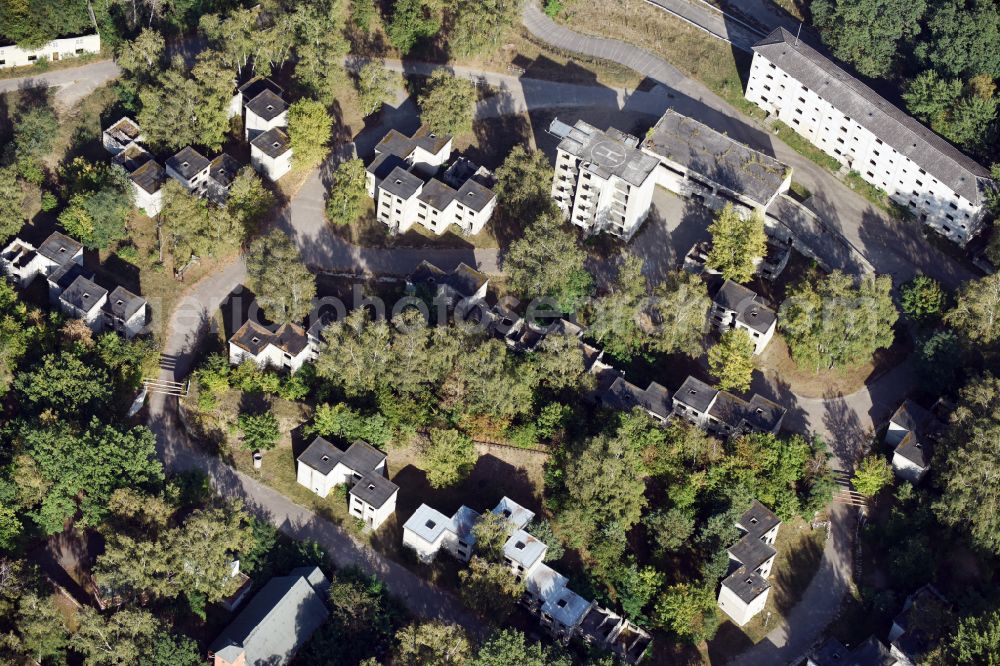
74,83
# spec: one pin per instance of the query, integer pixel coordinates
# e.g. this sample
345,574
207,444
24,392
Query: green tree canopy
872,475
967,464
348,194
432,644
479,26
738,240
837,320
615,318
731,360
191,228
976,314
309,128
284,287
509,646
548,262
922,298
489,589
374,83
261,432
524,184
868,33
447,103
448,458
412,21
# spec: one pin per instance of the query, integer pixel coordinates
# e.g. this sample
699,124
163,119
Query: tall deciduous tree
737,241
615,318
493,381
868,33
872,475
309,128
922,298
524,184
248,200
121,638
969,478
547,262
320,46
509,646
374,83
447,103
838,321
284,287
412,21
479,26
976,314
356,354
432,644
141,56
488,588
731,360
688,611
448,458
11,204
348,194
190,228
261,432
679,312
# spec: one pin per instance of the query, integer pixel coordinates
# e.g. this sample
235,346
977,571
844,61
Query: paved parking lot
673,226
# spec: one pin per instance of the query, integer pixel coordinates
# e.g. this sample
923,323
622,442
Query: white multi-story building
402,181
722,413
602,181
322,467
428,531
22,263
57,49
84,299
271,153
125,312
286,348
849,121
737,307
744,591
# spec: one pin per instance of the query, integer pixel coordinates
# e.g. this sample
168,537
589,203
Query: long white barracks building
849,121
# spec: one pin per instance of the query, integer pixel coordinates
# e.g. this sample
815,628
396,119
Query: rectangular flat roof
717,157
608,153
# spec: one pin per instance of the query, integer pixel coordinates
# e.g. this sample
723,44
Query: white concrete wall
735,608
425,551
150,204
255,125
58,49
273,168
426,162
597,204
94,318
397,213
197,181
369,515
905,468
858,149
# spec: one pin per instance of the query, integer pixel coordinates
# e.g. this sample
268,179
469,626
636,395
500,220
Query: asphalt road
73,83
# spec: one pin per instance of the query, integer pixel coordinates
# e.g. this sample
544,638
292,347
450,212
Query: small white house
265,111
84,299
372,497
911,434
22,263
271,153
737,307
428,531
125,313
189,168
57,49
725,414
744,591
286,348
249,90
147,187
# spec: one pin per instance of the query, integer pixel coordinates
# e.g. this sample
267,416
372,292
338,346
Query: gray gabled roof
83,294
188,162
277,621
123,303
275,142
864,106
374,489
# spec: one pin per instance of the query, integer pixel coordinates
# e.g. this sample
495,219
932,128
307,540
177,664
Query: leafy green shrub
49,202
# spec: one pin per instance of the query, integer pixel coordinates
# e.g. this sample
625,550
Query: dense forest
942,57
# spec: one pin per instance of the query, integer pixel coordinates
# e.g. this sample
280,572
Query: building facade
57,49
372,497
737,307
403,181
850,122
286,348
271,153
723,413
603,182
744,591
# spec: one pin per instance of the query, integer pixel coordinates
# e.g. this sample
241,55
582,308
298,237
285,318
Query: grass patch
696,54
876,196
801,145
799,192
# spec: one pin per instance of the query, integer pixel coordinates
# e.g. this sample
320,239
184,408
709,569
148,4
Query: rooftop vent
270,107
119,302
371,486
86,295
62,249
430,524
749,581
561,603
326,458
519,545
276,144
506,513
185,165
255,339
753,521
692,391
